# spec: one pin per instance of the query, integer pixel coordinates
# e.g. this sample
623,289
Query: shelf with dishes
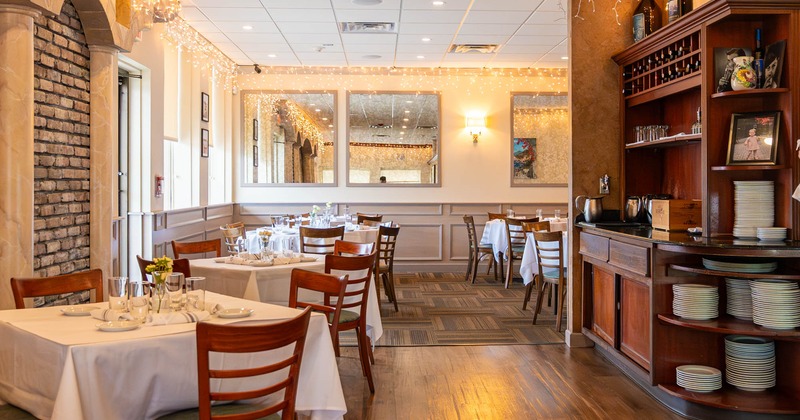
671,141
748,92
772,401
726,324
700,269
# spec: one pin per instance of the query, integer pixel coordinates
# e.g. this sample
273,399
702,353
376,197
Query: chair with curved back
329,285
179,265
384,264
29,287
319,240
362,217
269,337
477,251
515,237
180,249
550,258
529,228
352,248
233,233
356,296
496,216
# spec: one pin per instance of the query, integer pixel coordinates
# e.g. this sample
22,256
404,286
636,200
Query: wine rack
678,60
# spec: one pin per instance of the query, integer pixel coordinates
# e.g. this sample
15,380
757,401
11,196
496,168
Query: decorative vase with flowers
744,76
159,270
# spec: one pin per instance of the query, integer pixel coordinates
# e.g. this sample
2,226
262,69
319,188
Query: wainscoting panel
475,209
419,242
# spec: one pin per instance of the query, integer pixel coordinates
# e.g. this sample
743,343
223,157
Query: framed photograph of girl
773,64
754,138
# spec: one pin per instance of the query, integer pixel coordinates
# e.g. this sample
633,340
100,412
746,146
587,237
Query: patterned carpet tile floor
443,309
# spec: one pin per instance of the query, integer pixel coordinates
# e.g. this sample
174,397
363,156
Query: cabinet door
634,320
604,308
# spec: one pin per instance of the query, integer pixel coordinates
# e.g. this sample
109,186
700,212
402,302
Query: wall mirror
289,138
540,139
393,139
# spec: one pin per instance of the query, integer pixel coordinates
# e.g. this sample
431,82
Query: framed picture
773,64
255,129
204,106
203,143
539,139
754,138
255,156
524,159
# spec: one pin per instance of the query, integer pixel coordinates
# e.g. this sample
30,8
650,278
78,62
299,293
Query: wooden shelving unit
667,142
729,325
704,271
770,401
749,92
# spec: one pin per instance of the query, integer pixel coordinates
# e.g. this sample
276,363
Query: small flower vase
158,297
744,77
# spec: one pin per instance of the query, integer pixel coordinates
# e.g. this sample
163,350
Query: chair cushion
483,245
552,273
345,317
10,412
217,410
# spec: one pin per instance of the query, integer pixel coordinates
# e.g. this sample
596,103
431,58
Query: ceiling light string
205,55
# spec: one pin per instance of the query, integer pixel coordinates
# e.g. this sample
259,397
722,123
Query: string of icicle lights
482,81
265,106
204,55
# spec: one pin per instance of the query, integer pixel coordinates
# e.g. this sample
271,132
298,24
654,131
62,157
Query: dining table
271,284
494,233
64,367
289,238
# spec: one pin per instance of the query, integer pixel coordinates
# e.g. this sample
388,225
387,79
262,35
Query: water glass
139,300
118,293
510,212
539,214
195,294
176,291
558,213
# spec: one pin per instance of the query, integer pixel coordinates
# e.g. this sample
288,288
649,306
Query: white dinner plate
78,310
235,313
115,326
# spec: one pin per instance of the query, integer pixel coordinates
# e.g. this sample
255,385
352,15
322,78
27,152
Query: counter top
644,232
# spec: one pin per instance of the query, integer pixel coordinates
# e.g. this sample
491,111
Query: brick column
104,154
16,146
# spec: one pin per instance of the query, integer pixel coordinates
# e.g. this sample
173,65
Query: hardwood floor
493,382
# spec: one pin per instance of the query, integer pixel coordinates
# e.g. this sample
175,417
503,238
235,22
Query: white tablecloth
291,239
62,367
530,263
494,233
271,285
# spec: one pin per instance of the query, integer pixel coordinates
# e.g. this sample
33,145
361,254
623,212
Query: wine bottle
758,60
646,19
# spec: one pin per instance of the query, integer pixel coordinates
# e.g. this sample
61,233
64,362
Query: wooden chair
249,338
355,297
27,287
515,237
530,227
384,265
330,286
361,217
180,249
497,216
550,257
352,248
232,232
477,251
319,240
180,265
372,223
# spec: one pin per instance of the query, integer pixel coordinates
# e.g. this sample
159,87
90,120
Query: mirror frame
244,147
437,156
544,183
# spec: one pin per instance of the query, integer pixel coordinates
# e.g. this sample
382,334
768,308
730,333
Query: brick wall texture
61,146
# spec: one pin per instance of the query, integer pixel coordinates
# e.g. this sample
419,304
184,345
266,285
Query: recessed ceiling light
367,2
402,132
372,56
407,111
247,28
271,55
420,56
330,125
324,118
405,126
405,119
565,58
426,39
409,102
438,3
317,110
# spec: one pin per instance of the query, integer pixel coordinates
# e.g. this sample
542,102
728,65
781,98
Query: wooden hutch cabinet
628,271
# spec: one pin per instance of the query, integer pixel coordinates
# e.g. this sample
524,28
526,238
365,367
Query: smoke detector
368,27
473,48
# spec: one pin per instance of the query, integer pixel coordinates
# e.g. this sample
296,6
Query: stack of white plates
771,234
740,303
754,207
749,362
776,303
699,378
741,266
695,301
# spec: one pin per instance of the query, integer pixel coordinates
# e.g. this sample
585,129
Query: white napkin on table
110,315
212,307
170,318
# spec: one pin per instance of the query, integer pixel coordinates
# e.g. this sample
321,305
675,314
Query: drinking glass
278,225
539,214
118,293
176,291
195,294
510,212
558,213
138,300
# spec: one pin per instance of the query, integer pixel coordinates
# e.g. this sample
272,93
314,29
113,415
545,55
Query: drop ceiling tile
258,27
561,64
432,16
226,46
299,4
552,5
422,48
472,57
371,63
507,17
369,48
239,58
243,14
192,14
405,39
430,30
319,56
411,57
302,15
204,27
369,38
336,47
244,37
426,63
350,15
525,49
308,28
535,40
500,64
228,3
312,38
216,37
553,57
427,5
548,18
348,4
263,47
530,57
288,60
264,57
481,39
562,49
527,5
533,30
487,29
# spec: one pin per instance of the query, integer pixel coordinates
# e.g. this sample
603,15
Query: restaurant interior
380,209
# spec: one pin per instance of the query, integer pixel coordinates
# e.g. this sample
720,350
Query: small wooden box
677,214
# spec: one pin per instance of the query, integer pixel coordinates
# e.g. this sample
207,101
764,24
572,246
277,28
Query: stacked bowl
695,301
750,362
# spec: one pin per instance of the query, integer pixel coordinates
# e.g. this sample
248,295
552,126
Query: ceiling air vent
368,27
473,48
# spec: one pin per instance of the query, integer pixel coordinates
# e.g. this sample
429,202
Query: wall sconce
475,125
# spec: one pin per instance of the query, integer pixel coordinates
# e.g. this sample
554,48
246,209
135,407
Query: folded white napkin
212,307
248,256
259,263
110,315
170,318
